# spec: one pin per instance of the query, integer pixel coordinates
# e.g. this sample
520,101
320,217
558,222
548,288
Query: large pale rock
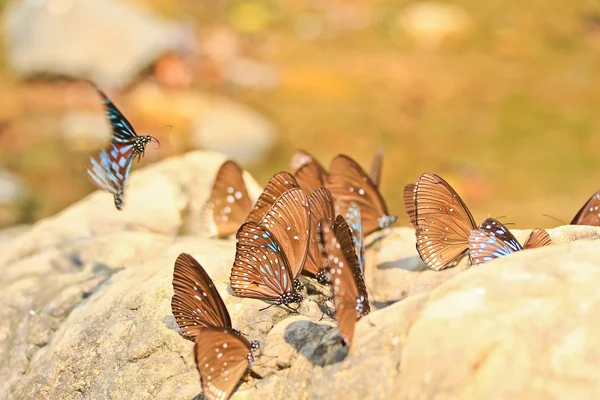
86,312
107,41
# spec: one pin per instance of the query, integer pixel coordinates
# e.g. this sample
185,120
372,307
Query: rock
108,41
430,23
86,313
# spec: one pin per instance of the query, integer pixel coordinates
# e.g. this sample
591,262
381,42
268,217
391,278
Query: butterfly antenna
152,138
266,308
556,219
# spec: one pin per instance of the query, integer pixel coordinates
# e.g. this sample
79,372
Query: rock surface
86,311
76,38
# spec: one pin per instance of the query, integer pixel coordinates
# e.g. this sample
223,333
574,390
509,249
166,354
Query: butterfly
222,354
277,185
493,240
229,202
271,254
110,170
350,298
589,213
311,175
320,204
409,203
444,223
349,183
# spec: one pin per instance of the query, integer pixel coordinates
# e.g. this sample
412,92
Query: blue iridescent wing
122,130
260,269
490,241
110,170
355,223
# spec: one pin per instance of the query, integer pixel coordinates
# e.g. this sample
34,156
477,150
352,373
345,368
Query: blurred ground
499,97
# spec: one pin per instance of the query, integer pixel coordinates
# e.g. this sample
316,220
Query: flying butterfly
320,204
229,202
409,203
222,354
349,183
444,223
589,214
350,298
280,183
110,170
271,254
493,240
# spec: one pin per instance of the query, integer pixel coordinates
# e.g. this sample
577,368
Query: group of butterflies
311,222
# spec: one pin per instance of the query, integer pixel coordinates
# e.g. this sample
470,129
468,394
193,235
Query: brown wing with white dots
222,357
300,158
288,220
348,183
409,203
589,213
444,223
310,177
320,205
537,238
260,270
229,203
349,290
280,183
196,303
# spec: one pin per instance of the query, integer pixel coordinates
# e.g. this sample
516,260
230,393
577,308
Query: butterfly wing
310,176
348,183
376,166
261,269
302,157
537,238
229,202
350,298
222,358
409,203
589,214
492,240
355,223
122,130
196,303
444,223
320,204
110,170
289,221
280,183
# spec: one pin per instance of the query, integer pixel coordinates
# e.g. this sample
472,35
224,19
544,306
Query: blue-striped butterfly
493,240
110,170
354,221
271,254
321,207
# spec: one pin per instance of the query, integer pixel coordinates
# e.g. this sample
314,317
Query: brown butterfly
348,183
222,354
589,213
279,184
321,207
229,203
350,298
493,240
444,223
271,254
376,166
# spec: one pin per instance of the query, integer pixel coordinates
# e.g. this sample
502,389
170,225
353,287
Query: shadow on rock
413,264
319,344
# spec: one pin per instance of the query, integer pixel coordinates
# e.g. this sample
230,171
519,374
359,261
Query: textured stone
86,311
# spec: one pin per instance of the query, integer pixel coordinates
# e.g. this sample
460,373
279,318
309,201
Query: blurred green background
500,97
